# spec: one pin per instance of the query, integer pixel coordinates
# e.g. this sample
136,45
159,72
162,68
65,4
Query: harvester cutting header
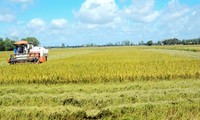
27,52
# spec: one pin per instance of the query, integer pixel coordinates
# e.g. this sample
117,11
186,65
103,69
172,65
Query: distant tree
9,44
91,45
150,43
32,40
141,43
126,43
198,40
132,44
172,41
117,44
184,42
63,45
159,43
110,44
2,46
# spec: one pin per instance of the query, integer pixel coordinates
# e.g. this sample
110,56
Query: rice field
103,83
97,65
193,48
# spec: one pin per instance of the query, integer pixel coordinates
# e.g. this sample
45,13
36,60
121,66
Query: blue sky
77,22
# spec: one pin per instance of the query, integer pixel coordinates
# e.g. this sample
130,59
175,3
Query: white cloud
173,4
22,1
6,17
58,23
175,11
37,25
9,9
194,13
176,14
97,12
178,20
142,11
122,1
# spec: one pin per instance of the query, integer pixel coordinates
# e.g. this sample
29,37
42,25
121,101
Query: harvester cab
26,52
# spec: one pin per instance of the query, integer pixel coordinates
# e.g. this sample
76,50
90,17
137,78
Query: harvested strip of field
58,54
191,48
177,99
188,54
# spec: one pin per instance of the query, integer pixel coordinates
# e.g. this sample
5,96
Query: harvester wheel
35,60
38,62
12,61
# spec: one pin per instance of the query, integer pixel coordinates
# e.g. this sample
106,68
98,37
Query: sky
78,22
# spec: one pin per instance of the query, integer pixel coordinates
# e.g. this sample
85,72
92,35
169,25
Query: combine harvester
26,52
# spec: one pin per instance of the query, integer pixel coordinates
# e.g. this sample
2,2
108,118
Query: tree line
174,41
171,41
8,44
122,43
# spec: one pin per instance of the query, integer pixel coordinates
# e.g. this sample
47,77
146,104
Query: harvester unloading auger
26,52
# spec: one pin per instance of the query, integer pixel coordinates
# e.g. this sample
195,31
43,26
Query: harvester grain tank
26,52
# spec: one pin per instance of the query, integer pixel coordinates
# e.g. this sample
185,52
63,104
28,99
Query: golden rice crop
102,65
